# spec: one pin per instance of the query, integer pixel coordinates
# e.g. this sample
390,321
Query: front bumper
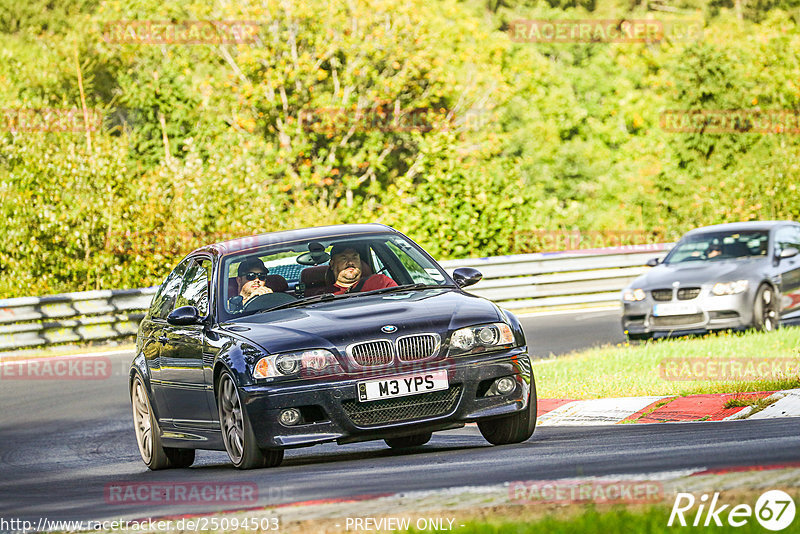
711,312
337,415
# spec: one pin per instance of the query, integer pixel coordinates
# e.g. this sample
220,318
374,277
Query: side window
418,274
164,301
194,291
376,261
787,237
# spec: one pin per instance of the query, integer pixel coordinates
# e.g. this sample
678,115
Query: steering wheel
267,300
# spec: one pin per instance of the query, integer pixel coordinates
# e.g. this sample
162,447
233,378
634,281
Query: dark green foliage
423,116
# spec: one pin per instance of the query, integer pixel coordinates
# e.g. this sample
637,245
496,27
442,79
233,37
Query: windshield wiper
404,287
330,296
307,300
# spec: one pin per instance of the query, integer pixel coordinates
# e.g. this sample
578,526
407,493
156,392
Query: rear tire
514,428
405,442
148,434
237,433
766,312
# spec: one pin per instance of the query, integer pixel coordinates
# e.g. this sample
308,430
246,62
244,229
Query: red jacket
376,281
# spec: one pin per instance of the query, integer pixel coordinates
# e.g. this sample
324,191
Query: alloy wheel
231,419
142,421
767,310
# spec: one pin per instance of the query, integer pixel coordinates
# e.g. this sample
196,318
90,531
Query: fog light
290,417
504,385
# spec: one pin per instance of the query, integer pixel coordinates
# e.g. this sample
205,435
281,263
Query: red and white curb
665,409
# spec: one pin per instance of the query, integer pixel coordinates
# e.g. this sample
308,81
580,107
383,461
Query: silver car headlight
481,338
308,362
730,288
633,295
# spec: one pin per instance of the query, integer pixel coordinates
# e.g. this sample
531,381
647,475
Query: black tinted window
164,300
194,291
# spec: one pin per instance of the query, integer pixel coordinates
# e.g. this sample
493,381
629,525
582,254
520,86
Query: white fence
541,280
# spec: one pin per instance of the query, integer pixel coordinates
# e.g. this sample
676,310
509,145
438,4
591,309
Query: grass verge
634,370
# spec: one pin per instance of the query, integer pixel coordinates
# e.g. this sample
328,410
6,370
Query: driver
345,265
251,280
713,250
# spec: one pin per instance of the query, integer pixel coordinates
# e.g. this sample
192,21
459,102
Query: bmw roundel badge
389,328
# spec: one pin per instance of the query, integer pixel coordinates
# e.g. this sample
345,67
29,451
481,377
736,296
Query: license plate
674,308
401,386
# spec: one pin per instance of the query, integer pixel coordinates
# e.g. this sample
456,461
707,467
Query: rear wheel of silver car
237,433
409,441
514,428
148,434
765,309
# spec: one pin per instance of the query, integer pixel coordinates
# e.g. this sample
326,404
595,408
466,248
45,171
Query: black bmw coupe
341,333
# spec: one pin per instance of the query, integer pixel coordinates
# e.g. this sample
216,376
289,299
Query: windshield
285,275
719,246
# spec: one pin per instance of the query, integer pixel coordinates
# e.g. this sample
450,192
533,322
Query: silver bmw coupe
727,276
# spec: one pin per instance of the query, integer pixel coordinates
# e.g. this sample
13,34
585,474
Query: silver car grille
419,347
378,352
370,353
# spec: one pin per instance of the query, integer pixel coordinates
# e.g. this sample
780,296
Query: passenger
345,266
251,279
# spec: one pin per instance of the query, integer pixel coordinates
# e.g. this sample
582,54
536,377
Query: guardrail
540,280
548,279
72,317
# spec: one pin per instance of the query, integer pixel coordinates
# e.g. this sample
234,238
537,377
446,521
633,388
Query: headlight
308,363
730,288
481,338
633,295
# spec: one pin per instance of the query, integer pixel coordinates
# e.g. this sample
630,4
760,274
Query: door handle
162,339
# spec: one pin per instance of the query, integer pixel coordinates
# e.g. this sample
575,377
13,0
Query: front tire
148,434
405,442
514,428
237,433
643,336
765,309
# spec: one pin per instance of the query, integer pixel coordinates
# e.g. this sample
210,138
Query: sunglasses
252,276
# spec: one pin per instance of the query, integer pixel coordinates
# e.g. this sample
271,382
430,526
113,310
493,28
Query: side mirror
183,316
466,276
652,262
788,252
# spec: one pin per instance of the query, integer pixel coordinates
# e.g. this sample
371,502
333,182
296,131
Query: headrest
313,276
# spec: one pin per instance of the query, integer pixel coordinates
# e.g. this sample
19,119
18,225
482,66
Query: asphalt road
62,443
563,332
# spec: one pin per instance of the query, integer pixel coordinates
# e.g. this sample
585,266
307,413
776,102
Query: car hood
700,272
338,323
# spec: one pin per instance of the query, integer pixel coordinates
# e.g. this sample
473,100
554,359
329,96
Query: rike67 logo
774,510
